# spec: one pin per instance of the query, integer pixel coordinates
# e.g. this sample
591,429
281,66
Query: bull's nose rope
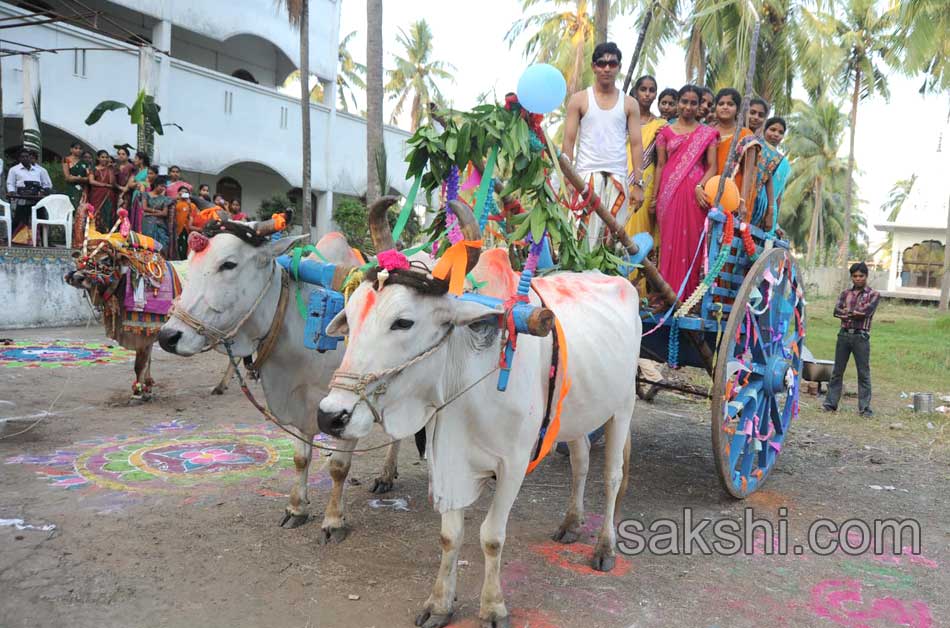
362,382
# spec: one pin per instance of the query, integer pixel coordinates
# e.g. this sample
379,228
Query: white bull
234,285
416,353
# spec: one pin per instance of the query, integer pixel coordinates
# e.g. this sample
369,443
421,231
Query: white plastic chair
59,211
7,216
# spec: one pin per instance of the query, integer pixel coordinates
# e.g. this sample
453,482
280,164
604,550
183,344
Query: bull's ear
279,247
338,326
465,313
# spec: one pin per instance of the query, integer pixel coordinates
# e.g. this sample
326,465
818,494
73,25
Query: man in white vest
600,121
606,120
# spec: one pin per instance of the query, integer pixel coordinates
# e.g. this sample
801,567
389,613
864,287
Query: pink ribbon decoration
473,181
392,260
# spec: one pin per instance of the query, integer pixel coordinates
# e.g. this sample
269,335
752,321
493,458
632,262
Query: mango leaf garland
522,162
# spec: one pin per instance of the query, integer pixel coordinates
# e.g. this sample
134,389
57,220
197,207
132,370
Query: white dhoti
611,191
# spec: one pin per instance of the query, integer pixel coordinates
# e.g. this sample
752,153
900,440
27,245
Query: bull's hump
586,287
494,267
334,247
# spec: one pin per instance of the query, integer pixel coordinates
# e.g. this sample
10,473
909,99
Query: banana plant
144,113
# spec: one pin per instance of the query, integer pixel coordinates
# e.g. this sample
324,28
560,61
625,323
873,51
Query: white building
920,231
215,72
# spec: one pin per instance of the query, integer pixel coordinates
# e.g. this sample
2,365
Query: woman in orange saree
727,123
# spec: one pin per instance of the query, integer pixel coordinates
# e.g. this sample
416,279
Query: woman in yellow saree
640,218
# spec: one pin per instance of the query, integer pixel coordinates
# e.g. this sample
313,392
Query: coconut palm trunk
374,94
845,243
945,284
601,17
305,194
813,230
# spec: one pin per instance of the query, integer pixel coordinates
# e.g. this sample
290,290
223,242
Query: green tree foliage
563,36
891,208
813,206
144,113
274,204
350,77
352,218
520,162
416,73
922,45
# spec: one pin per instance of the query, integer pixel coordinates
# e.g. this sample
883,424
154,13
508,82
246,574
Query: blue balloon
541,88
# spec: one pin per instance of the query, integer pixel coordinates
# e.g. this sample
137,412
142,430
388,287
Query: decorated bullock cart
744,325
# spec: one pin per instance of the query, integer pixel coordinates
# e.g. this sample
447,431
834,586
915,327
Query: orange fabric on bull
205,216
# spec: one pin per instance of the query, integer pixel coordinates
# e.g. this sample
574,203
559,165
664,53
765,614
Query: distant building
214,66
920,230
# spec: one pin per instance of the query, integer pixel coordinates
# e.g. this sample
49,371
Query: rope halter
212,333
358,383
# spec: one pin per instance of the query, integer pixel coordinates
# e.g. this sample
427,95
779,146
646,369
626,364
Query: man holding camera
27,182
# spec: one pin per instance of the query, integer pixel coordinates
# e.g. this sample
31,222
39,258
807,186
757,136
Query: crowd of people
163,207
651,168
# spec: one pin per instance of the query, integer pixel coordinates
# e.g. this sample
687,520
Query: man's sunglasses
607,63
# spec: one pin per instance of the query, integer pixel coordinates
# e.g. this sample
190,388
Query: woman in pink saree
686,159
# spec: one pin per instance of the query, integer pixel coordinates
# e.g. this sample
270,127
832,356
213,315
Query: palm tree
601,18
864,36
416,73
922,39
565,39
922,43
298,12
349,76
892,207
813,143
716,35
374,95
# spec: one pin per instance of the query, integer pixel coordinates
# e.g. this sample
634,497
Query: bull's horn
379,223
469,226
340,275
266,227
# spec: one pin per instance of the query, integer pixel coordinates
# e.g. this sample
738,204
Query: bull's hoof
329,536
381,485
218,390
495,622
566,536
428,619
603,561
291,521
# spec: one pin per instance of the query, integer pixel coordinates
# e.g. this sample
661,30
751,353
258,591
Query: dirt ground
166,514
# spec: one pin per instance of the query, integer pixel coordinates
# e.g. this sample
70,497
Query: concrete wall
35,294
824,281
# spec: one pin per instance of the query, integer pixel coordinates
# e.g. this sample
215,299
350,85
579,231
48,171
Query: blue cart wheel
758,373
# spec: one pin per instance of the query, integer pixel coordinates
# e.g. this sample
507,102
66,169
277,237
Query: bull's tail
626,472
